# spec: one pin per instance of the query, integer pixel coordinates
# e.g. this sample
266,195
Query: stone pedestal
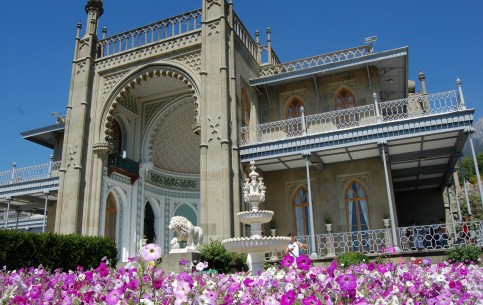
170,261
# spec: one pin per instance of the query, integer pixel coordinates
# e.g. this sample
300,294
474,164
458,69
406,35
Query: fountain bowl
250,217
256,244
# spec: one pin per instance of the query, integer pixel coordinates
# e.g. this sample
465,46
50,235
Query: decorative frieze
168,193
150,51
171,182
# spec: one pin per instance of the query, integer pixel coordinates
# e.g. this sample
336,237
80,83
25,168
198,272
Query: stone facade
157,128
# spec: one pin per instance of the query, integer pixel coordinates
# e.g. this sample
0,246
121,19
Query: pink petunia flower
113,297
287,261
347,282
151,252
303,262
288,298
311,300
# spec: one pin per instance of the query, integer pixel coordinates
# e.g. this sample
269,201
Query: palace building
163,120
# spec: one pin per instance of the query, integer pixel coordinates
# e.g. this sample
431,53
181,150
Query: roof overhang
45,136
391,66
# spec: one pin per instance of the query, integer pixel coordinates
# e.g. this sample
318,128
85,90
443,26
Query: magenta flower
287,261
303,262
34,292
151,252
347,282
113,297
311,300
49,295
270,300
288,298
183,262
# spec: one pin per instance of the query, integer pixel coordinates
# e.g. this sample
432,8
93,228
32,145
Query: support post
376,107
14,166
302,117
8,211
313,254
469,131
382,146
461,105
46,193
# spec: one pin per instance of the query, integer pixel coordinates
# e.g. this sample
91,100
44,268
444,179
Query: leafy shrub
220,259
466,254
24,249
351,258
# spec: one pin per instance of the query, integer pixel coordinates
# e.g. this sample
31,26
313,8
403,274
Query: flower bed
294,282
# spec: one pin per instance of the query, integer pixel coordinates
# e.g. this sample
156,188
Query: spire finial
94,5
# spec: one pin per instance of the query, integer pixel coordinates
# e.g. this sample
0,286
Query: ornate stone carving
72,152
210,3
192,60
214,129
109,82
101,150
213,28
150,51
186,231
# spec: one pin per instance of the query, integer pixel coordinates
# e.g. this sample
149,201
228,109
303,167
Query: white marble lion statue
185,231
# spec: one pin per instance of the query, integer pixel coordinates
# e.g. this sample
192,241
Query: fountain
256,245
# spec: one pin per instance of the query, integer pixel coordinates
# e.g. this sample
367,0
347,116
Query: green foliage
466,254
468,168
351,258
25,249
220,259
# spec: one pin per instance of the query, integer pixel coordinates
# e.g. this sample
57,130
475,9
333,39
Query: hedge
24,249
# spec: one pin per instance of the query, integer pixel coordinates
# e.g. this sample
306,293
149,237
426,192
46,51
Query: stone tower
72,172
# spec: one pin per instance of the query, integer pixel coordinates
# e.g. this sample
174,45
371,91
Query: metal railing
411,107
19,215
440,236
412,239
177,25
315,61
127,166
30,173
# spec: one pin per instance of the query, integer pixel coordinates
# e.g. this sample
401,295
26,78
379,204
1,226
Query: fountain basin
250,217
256,244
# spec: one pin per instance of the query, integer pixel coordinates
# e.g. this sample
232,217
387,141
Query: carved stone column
92,205
216,180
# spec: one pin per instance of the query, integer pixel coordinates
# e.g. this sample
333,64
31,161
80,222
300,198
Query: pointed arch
149,230
357,209
117,137
111,217
344,101
293,112
300,211
293,108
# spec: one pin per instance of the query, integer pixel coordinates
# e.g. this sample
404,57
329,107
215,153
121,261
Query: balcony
30,173
416,106
413,239
124,166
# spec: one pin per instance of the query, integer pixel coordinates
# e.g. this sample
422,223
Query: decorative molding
130,103
172,182
153,50
167,217
110,82
192,60
80,67
72,152
168,193
214,128
213,28
210,3
149,111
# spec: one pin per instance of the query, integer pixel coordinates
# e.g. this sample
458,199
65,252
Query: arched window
245,112
300,207
345,100
245,104
149,232
292,112
111,217
357,215
116,138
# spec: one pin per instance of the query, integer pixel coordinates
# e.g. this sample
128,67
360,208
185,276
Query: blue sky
445,40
